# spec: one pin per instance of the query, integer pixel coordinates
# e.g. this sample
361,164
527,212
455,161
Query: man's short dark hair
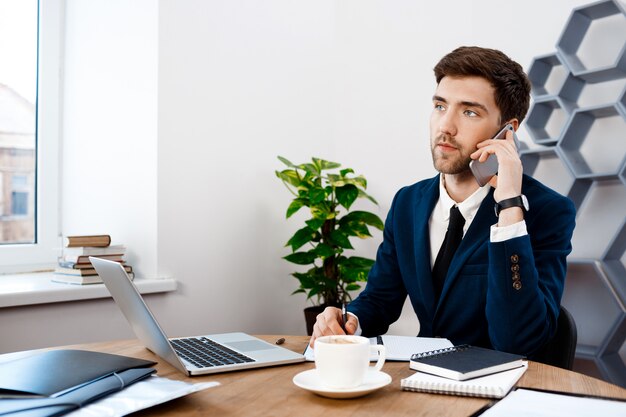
512,88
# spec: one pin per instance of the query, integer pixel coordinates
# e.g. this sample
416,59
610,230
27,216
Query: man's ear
514,123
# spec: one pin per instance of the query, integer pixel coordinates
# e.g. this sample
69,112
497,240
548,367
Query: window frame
42,254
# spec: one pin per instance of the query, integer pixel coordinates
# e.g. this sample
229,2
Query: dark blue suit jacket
478,304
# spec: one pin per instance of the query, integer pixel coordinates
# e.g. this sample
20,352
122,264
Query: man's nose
447,124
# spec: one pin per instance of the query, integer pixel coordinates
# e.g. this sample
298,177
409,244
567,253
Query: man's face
464,114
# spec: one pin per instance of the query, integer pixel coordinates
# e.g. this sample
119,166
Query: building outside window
30,57
18,120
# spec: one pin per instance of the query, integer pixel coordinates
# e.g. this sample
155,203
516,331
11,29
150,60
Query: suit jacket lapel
423,210
477,234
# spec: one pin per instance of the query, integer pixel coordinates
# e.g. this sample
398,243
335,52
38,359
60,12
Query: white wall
176,110
110,124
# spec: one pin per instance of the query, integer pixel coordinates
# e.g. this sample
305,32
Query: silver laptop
191,355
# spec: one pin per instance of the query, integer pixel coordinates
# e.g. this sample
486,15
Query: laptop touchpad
248,345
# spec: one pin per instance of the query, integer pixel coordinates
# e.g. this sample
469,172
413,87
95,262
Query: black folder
73,399
53,373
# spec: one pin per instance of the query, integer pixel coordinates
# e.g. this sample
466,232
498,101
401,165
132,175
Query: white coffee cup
342,361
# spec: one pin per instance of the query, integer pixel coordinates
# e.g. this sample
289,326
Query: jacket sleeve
381,302
526,277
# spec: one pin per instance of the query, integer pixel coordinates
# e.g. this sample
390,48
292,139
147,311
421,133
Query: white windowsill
38,288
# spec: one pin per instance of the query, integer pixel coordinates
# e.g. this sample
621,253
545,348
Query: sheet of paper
399,348
523,402
144,394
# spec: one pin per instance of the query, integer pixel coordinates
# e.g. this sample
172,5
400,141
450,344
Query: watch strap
519,201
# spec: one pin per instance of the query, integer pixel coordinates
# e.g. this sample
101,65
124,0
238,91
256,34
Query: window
30,45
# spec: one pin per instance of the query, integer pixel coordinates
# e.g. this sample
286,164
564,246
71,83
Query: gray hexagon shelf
546,75
544,163
599,23
593,142
600,318
546,120
598,220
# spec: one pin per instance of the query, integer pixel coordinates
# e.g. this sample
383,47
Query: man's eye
470,113
439,107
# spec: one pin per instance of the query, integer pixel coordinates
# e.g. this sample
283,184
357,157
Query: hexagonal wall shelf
545,165
598,220
546,75
600,23
546,119
591,300
593,142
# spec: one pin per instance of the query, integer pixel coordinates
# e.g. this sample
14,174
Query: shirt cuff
500,234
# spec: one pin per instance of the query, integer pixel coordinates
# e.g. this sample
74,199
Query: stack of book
74,266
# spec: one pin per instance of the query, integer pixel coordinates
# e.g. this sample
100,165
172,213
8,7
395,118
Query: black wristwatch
519,201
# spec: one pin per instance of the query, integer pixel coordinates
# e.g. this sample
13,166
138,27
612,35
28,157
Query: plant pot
310,316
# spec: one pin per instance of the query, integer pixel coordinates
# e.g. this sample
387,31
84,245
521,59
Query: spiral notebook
489,386
464,362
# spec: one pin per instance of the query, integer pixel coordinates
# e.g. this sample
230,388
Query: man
502,287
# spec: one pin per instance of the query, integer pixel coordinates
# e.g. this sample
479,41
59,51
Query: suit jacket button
515,258
515,276
517,285
515,268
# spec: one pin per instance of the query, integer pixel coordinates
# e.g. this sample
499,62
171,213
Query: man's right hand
329,322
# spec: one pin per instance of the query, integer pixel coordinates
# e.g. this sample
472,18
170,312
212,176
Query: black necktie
448,247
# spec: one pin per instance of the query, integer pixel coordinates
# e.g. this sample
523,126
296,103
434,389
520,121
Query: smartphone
483,171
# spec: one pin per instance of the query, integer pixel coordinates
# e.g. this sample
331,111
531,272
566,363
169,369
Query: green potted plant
325,237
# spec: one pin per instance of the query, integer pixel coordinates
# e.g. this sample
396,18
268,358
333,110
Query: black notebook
464,362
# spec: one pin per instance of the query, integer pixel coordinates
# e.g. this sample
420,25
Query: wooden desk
270,391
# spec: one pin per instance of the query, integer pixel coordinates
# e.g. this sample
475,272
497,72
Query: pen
344,316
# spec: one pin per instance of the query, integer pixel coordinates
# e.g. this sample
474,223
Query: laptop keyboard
205,353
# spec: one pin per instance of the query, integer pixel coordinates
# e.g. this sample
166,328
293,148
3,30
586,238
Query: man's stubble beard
449,164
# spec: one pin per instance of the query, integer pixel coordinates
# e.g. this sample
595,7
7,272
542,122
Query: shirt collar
468,207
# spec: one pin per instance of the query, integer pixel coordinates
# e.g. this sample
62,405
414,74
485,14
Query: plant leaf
322,211
313,292
301,237
286,162
310,168
346,171
363,194
295,205
360,180
316,195
290,176
324,165
357,229
314,223
352,287
324,251
346,195
358,262
340,239
363,217
301,258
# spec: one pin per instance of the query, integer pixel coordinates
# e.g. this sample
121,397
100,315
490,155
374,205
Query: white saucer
309,380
